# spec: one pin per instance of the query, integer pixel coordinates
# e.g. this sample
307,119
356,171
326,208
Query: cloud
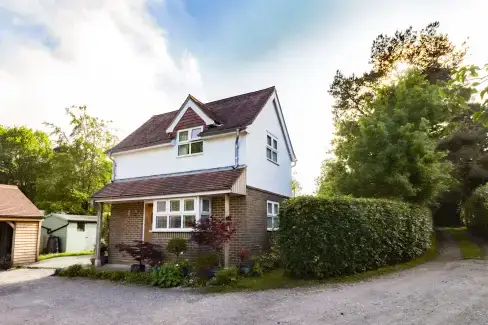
108,55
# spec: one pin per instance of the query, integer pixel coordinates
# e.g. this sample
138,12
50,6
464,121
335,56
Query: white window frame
189,141
197,212
275,209
271,147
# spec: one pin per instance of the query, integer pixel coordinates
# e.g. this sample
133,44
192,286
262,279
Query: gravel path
440,292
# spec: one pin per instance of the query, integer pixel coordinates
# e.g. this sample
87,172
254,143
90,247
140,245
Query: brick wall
125,227
248,215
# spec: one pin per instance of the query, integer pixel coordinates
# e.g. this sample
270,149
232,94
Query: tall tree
80,166
394,153
24,156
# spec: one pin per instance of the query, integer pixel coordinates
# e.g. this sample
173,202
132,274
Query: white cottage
76,233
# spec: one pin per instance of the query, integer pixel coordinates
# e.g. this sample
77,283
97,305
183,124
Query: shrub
177,246
142,252
226,276
78,270
322,237
207,260
271,260
476,212
168,276
213,232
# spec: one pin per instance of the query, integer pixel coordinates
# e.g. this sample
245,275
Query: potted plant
103,253
245,265
142,252
207,265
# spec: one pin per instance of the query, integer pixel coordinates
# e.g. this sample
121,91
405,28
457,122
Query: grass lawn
277,279
48,256
469,249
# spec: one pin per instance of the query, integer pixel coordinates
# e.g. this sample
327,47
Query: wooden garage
20,223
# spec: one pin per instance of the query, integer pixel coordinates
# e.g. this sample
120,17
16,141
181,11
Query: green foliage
78,270
322,237
207,259
226,276
79,167
476,211
168,275
53,255
270,260
24,157
392,152
177,246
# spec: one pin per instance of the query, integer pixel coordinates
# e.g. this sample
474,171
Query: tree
296,187
393,153
80,166
24,156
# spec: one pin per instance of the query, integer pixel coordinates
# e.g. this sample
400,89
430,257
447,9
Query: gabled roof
13,203
73,217
229,114
198,182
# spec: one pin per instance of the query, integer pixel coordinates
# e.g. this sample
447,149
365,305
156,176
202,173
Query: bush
226,276
322,237
271,260
168,276
207,260
177,246
142,252
476,212
78,270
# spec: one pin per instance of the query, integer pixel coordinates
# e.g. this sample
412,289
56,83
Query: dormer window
189,141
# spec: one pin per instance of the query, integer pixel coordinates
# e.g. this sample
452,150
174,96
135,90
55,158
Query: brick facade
248,215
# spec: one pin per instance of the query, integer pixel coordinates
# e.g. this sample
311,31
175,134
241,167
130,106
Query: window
189,141
80,226
271,148
205,209
179,214
273,221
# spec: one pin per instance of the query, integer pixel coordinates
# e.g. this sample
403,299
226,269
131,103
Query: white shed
75,232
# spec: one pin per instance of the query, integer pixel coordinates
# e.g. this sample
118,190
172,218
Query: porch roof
201,182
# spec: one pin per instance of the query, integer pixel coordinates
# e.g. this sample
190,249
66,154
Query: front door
148,217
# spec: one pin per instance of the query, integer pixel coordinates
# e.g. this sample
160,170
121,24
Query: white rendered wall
262,173
217,152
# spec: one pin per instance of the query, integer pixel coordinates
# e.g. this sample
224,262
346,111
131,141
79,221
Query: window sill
172,230
190,155
272,229
274,162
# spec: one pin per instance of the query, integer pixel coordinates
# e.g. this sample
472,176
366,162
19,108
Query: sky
130,59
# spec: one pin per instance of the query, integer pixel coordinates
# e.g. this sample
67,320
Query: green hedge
322,237
476,212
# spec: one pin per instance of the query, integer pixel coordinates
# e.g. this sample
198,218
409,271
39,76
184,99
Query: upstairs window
271,148
189,141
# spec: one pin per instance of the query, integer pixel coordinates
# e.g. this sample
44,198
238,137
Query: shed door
148,217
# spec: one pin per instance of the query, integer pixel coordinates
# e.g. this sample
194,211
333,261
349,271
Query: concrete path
62,262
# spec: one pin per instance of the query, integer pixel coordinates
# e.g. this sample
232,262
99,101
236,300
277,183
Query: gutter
51,231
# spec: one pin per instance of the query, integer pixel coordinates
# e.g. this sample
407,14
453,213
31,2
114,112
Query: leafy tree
80,166
393,153
24,156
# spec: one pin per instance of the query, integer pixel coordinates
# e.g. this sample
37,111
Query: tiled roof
231,113
170,185
13,203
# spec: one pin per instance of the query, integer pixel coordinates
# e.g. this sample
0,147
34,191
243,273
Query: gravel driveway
439,292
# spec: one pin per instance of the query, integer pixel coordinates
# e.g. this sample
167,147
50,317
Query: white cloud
109,55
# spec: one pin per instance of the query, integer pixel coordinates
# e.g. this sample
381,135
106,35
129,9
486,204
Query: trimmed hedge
476,212
322,237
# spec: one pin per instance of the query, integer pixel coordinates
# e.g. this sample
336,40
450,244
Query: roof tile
13,203
170,185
